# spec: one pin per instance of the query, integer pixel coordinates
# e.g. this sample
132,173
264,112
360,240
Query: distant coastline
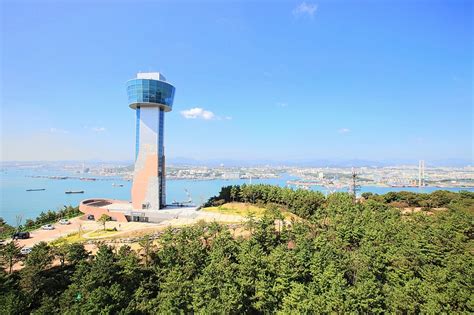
16,201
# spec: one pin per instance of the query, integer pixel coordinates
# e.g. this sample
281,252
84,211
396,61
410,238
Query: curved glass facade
150,91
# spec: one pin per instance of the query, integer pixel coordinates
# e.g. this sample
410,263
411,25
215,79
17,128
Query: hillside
341,256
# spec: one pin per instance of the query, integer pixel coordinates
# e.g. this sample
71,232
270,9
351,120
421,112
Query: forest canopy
342,256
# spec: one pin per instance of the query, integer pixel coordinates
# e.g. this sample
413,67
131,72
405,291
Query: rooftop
151,76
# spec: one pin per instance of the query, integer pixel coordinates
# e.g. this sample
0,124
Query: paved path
39,235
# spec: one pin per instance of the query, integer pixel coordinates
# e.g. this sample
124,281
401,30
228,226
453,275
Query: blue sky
281,79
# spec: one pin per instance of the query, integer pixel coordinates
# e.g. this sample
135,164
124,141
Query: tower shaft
149,178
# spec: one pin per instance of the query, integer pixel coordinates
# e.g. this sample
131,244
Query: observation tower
151,97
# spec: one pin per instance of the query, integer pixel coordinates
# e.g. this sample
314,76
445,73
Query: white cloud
57,130
282,104
94,128
305,9
344,130
198,113
98,129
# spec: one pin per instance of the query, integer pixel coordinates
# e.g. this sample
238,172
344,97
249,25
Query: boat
88,179
36,189
58,177
74,192
117,185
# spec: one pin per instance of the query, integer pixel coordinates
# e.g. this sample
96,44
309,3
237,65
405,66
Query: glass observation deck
150,93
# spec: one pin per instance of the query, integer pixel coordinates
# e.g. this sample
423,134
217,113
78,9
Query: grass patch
69,239
243,209
101,233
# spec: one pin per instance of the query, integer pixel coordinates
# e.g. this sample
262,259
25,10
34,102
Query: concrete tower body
150,96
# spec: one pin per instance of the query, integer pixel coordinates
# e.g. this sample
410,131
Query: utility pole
354,186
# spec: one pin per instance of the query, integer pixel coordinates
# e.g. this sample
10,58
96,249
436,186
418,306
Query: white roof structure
151,76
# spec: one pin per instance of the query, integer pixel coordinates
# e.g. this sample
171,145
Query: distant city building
151,96
231,175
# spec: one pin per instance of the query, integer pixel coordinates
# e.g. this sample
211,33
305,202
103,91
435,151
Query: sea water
15,201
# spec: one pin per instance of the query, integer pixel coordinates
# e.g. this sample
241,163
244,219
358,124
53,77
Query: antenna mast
354,186
421,173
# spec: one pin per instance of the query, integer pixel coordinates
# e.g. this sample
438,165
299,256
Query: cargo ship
36,189
74,192
90,179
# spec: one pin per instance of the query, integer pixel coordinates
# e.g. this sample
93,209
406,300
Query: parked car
25,250
48,227
21,235
64,221
90,217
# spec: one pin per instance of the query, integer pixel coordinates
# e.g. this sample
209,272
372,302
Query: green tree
275,213
265,234
103,220
76,253
10,254
216,286
6,230
234,193
250,221
61,252
251,264
40,256
147,249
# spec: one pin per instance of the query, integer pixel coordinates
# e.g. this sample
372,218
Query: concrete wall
98,212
